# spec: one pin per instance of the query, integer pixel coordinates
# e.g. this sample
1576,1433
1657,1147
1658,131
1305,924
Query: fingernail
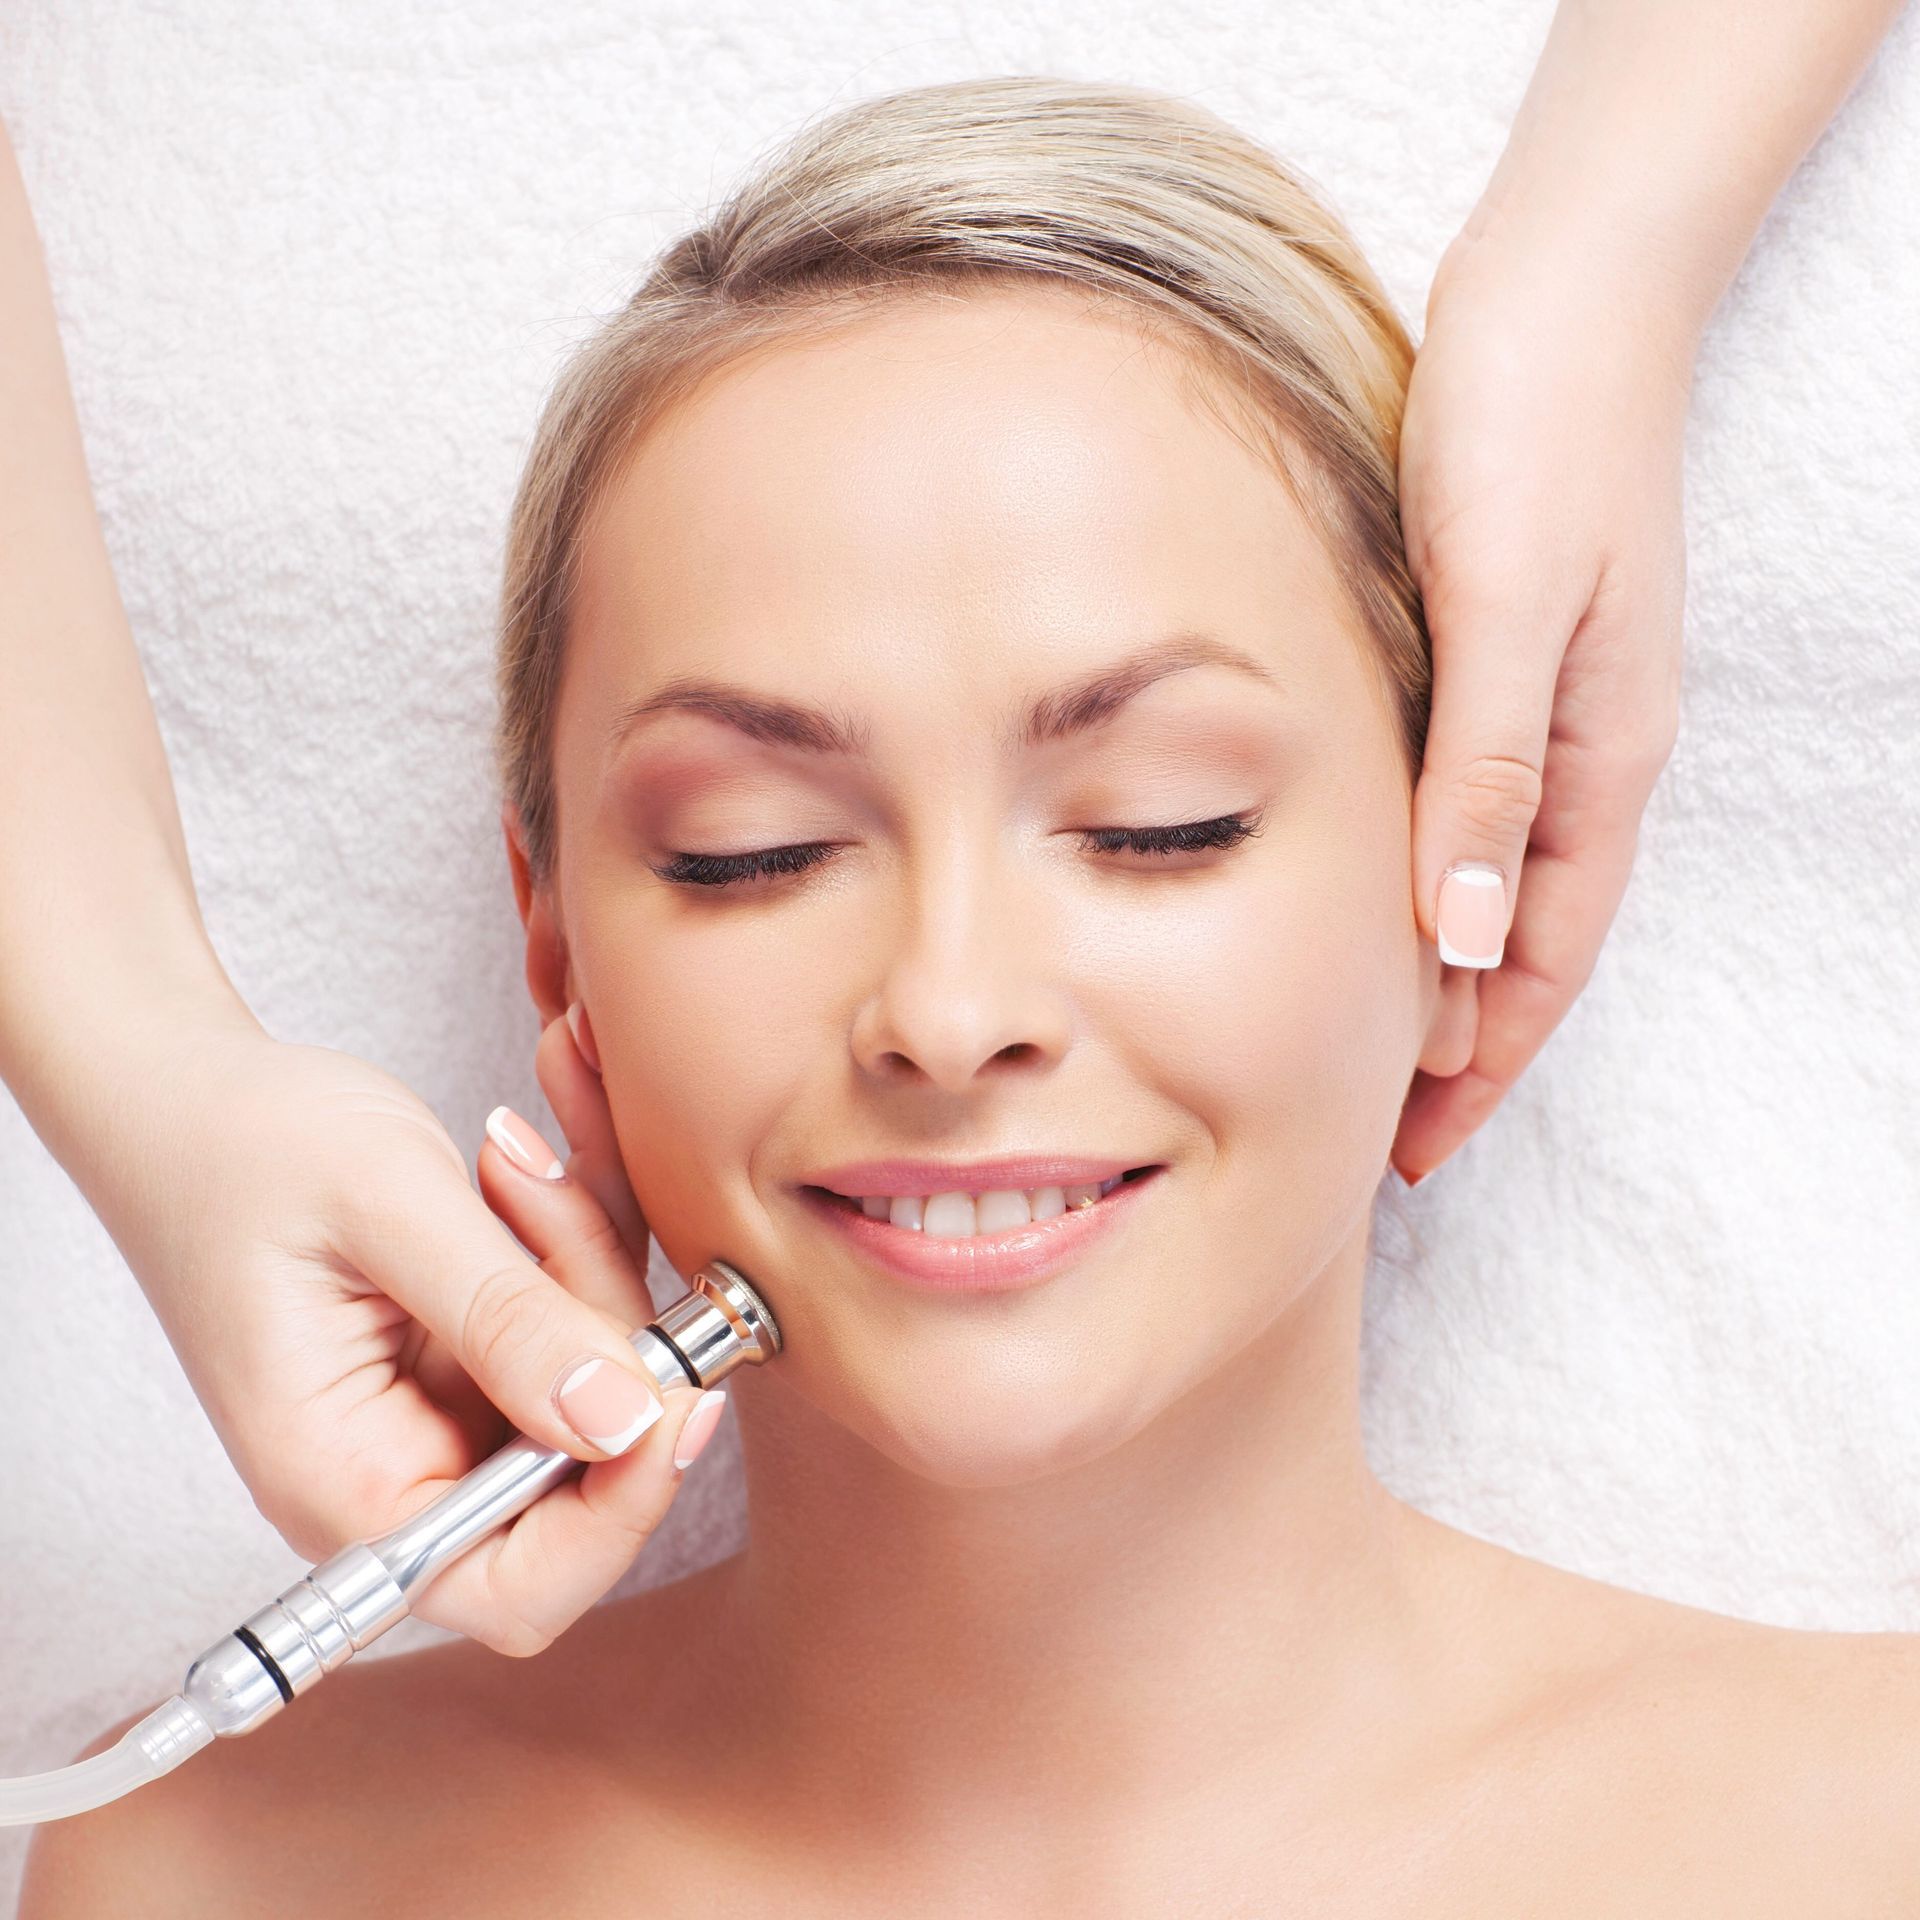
522,1145
582,1033
700,1426
606,1404
1472,915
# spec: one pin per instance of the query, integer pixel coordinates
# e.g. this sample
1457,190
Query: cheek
1278,1006
702,1041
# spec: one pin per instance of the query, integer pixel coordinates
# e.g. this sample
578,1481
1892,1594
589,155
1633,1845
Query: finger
523,1207
1575,883
520,1588
1615,719
449,1385
1498,643
565,1063
566,1233
560,1222
438,1252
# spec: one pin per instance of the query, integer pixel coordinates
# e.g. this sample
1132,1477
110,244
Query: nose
968,981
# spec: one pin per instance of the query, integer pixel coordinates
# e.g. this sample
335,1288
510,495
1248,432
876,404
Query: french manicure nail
701,1423
582,1030
605,1404
1472,915
522,1145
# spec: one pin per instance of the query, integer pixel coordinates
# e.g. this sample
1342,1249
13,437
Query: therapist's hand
1540,488
362,1329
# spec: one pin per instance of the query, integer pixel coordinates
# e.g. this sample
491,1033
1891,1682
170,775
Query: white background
315,268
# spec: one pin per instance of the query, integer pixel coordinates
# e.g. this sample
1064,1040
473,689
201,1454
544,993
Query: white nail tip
608,1442
1487,878
1455,958
620,1442
502,1138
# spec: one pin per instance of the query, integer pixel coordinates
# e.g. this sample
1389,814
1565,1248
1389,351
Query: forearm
1656,133
101,941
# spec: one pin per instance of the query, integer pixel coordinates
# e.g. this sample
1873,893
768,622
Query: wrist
88,1053
1612,244
1580,277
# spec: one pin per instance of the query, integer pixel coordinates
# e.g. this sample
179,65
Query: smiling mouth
964,1216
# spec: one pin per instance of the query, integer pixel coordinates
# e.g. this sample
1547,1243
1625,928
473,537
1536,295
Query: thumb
516,1331
1480,781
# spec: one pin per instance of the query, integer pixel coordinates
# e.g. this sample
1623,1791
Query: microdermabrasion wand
321,1621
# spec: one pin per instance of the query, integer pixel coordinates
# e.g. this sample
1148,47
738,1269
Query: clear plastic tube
174,1731
283,1649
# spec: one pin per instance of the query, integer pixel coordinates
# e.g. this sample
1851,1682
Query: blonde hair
1128,195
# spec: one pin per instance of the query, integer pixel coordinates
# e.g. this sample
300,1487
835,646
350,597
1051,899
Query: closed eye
1187,836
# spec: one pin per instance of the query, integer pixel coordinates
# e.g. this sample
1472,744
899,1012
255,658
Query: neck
1231,1585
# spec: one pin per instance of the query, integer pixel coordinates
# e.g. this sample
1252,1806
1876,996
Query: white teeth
949,1216
996,1212
957,1216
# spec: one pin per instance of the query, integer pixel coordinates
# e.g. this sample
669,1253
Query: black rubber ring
245,1636
686,1365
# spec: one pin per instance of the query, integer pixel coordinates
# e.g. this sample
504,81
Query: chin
998,1439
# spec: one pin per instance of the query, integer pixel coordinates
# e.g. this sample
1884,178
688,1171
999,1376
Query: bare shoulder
1850,1703
421,1782
1796,1751
1705,1762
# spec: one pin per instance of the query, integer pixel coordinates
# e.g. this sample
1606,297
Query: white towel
315,268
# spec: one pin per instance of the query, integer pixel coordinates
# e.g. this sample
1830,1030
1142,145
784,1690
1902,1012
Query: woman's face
924,531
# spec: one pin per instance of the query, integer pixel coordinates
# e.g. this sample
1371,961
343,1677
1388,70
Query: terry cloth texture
315,269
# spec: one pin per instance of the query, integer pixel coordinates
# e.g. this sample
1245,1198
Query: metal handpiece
320,1622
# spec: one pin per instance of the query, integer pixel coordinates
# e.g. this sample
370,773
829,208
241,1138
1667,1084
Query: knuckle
604,1242
499,1323
1500,791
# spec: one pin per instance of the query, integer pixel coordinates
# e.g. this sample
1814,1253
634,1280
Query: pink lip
872,1179
987,1262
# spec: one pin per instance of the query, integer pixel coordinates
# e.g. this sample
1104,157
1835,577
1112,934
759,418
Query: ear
549,975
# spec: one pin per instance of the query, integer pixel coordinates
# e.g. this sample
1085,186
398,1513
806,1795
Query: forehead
977,477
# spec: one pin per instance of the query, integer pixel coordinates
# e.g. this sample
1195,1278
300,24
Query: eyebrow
1077,707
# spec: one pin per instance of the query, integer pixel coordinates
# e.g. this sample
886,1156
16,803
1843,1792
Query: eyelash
1187,836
